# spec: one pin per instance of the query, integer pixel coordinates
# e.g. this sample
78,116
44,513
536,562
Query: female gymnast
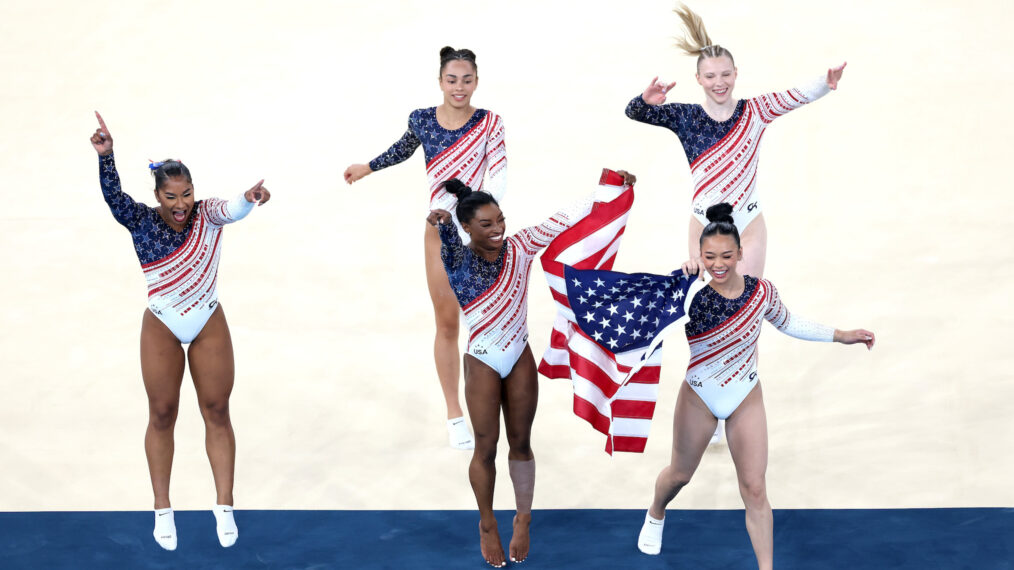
721,138
722,380
489,277
461,142
178,244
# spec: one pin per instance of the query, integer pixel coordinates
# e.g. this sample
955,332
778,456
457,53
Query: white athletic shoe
716,438
458,435
650,539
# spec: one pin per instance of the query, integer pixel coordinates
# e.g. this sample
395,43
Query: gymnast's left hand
628,178
855,337
834,74
438,217
258,194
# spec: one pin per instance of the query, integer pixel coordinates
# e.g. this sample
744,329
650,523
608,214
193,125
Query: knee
216,412
753,490
162,415
678,479
520,448
485,449
447,327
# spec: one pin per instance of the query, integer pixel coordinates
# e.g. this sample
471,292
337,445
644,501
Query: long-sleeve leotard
181,268
723,155
494,294
723,335
468,153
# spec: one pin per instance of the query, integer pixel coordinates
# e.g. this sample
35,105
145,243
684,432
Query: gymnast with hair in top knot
722,380
489,277
721,137
178,244
461,142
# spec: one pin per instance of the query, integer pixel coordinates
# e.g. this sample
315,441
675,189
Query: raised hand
102,141
655,93
628,178
834,74
855,337
356,171
258,194
437,217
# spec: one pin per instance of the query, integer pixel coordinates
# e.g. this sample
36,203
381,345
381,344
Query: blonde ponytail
695,40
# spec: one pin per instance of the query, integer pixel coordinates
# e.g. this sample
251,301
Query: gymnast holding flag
614,329
489,277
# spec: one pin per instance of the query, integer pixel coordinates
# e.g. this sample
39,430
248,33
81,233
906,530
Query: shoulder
420,116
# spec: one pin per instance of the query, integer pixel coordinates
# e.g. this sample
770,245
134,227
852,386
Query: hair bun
456,187
720,213
446,51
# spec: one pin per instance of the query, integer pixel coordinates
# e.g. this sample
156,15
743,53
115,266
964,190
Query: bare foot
489,545
519,541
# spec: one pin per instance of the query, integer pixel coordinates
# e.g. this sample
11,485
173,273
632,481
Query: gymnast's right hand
437,217
655,93
356,171
102,140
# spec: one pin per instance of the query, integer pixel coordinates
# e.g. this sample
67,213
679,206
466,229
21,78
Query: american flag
609,326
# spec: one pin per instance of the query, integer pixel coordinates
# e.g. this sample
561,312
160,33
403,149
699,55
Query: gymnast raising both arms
489,277
722,380
178,244
461,142
721,138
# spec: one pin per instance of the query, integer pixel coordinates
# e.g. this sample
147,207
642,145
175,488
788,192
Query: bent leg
754,239
482,395
520,400
213,369
693,425
747,432
162,364
447,314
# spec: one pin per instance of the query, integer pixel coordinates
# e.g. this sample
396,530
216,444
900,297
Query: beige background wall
887,205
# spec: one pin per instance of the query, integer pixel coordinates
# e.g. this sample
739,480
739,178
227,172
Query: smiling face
720,254
717,75
458,81
176,196
487,227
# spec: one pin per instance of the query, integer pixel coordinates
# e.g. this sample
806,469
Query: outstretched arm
124,209
398,153
452,251
774,105
798,327
221,212
538,237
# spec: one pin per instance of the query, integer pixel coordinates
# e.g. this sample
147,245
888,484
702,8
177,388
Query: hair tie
156,165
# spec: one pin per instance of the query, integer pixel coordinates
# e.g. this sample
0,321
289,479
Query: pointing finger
101,122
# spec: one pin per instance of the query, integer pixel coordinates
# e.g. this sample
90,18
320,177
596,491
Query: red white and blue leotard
181,268
468,153
723,335
494,294
723,155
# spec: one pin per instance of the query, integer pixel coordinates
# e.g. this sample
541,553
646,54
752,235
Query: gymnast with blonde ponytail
721,136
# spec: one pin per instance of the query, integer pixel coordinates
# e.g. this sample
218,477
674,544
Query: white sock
719,430
165,528
458,434
225,525
650,539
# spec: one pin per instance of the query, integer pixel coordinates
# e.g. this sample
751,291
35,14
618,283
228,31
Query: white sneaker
458,435
650,539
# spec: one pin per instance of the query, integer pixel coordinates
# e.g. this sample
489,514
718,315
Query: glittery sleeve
793,325
774,105
399,151
496,162
221,212
666,115
452,251
538,237
125,210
